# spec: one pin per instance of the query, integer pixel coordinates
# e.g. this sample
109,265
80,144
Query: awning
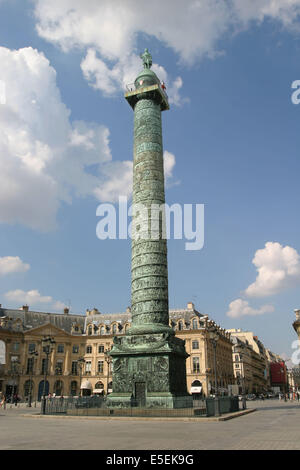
196,389
109,390
86,385
98,390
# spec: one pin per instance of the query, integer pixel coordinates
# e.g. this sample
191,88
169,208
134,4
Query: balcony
157,91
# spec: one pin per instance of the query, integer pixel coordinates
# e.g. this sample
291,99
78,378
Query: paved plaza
275,425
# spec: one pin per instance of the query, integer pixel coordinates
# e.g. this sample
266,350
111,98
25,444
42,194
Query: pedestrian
15,399
298,395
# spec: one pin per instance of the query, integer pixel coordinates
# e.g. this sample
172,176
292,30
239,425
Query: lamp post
31,372
214,338
80,362
48,346
14,373
243,383
108,360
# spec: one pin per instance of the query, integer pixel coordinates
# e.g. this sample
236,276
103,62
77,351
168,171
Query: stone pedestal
149,371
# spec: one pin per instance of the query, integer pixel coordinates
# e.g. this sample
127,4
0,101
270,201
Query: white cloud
12,264
240,308
33,298
44,157
108,31
278,269
118,182
59,306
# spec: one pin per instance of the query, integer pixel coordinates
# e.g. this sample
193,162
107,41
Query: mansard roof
31,319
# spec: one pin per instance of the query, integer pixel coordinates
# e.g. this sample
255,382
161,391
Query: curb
226,417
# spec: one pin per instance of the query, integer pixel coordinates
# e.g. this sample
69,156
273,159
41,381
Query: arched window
180,326
99,386
102,330
195,324
90,330
114,329
196,383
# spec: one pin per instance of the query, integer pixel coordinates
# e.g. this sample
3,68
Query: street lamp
31,372
48,346
108,360
214,338
80,362
243,383
14,373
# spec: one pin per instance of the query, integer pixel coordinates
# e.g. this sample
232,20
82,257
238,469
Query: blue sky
232,130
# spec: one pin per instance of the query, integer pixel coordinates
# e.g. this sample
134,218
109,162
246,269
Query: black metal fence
98,406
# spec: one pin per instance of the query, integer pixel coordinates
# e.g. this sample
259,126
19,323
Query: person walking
15,399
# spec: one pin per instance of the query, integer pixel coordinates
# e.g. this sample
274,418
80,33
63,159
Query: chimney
66,310
190,306
25,308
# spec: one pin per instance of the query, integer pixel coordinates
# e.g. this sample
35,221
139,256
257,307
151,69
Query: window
28,387
74,368
237,366
180,326
31,347
114,329
16,347
99,386
195,324
196,365
59,367
101,349
29,369
100,367
75,349
88,367
102,330
60,348
195,344
73,388
58,387
237,358
89,349
44,366
90,330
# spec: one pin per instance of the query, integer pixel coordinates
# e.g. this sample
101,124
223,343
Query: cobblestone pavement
275,425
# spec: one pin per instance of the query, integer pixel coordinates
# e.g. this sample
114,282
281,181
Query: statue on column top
147,59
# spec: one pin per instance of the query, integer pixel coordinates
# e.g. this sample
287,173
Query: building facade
79,359
250,362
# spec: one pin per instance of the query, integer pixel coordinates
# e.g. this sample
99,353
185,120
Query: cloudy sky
231,141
